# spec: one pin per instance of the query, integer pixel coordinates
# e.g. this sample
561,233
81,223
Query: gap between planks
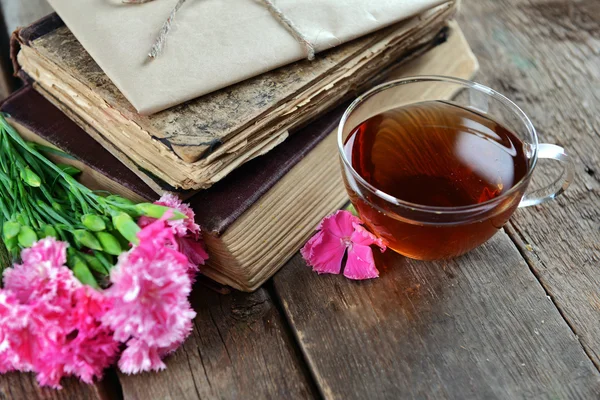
521,244
293,335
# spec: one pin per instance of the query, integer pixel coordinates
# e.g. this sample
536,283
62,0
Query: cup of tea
435,166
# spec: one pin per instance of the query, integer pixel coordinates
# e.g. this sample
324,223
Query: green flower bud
87,239
10,229
109,243
68,169
30,177
48,231
27,236
82,272
126,227
11,244
157,211
20,219
105,259
94,263
122,241
93,222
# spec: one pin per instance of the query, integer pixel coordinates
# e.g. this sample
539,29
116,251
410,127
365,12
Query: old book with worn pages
256,218
193,145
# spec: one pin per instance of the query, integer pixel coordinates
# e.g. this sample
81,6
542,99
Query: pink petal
363,237
193,250
341,224
360,263
139,357
324,252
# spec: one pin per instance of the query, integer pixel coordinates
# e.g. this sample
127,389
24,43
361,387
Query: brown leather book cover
216,208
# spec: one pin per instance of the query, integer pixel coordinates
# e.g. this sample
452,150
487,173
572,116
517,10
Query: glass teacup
433,232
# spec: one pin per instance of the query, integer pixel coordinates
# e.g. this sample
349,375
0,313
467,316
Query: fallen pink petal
342,234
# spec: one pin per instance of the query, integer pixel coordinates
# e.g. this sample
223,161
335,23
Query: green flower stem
41,199
51,214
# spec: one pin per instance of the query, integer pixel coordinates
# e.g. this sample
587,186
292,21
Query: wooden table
517,318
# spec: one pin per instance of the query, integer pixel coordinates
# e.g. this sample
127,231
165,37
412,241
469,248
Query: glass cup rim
445,79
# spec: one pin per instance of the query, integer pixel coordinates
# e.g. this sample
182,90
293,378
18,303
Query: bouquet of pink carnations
96,279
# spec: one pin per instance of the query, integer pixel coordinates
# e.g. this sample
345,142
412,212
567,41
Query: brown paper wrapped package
214,43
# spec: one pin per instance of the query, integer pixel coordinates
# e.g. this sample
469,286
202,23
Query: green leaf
30,177
57,207
10,229
51,213
119,200
69,169
126,227
87,239
351,209
51,150
5,259
27,236
157,211
93,222
109,243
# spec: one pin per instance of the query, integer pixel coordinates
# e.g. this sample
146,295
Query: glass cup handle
540,196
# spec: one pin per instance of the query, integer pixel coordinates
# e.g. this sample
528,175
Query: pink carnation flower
17,349
149,293
50,322
90,346
43,274
340,233
188,237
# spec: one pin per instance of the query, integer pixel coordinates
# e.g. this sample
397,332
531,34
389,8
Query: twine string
291,27
159,44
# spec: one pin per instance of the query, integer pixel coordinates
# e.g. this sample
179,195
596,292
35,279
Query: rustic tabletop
518,317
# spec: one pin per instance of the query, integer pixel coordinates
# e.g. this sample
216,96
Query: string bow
275,11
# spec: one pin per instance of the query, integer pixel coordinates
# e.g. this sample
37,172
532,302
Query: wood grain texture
239,349
545,55
18,386
477,327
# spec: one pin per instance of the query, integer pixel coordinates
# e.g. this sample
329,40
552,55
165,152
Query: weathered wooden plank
546,56
18,386
239,349
479,326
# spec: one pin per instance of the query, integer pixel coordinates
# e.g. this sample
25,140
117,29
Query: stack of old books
246,135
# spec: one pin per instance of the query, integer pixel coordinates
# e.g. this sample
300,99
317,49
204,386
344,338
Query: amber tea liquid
435,154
